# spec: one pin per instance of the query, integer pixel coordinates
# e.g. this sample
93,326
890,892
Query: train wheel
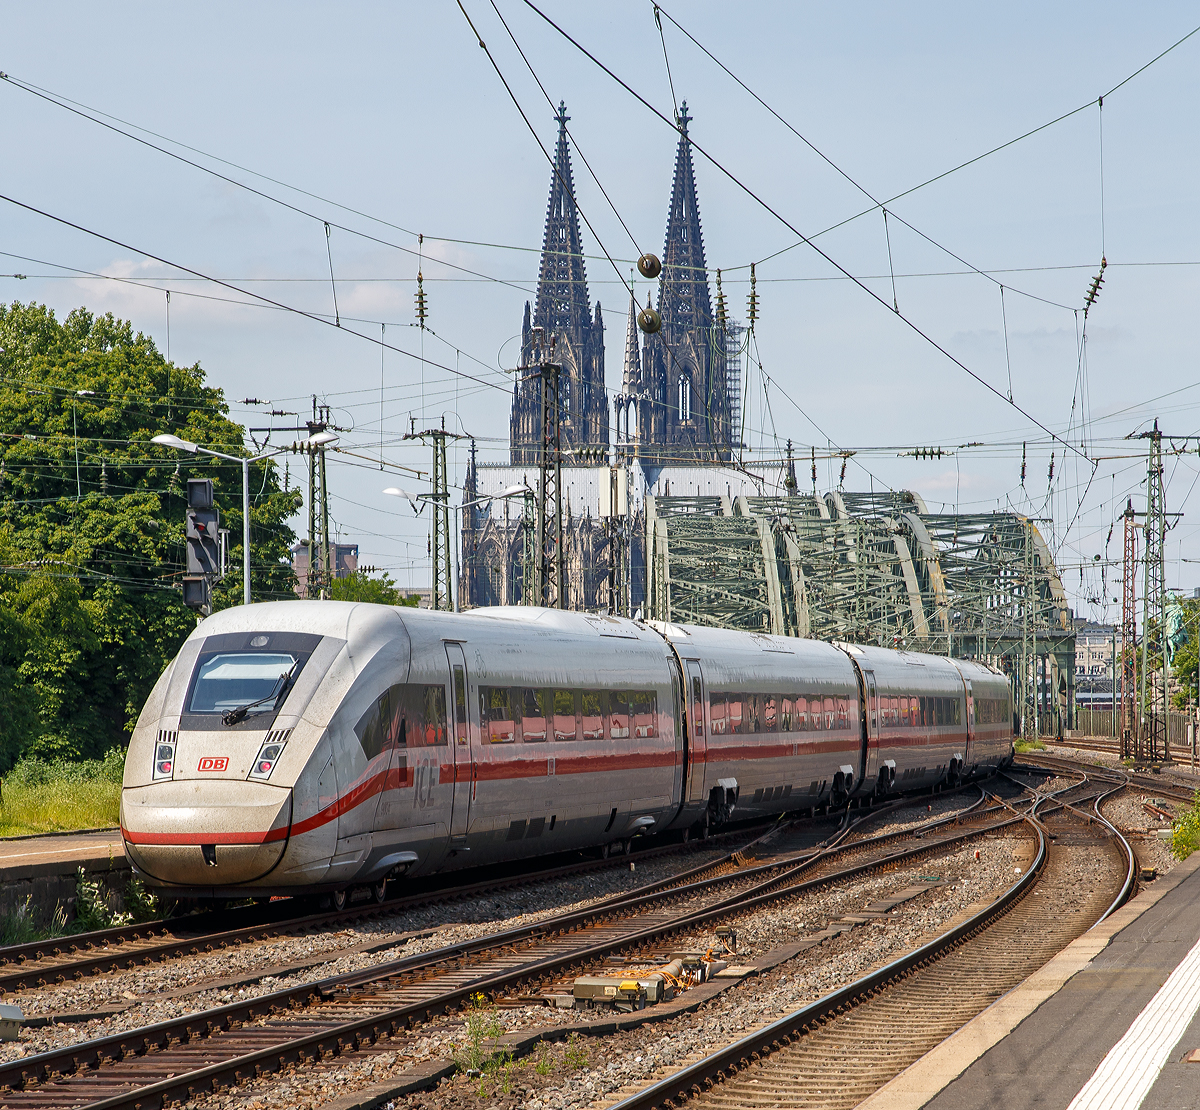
379,891
605,849
340,898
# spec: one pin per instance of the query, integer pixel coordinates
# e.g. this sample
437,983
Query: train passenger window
496,716
533,719
460,704
830,713
717,721
369,729
843,712
800,714
737,714
566,714
593,714
643,714
697,706
618,715
957,706
785,714
435,734
770,712
753,711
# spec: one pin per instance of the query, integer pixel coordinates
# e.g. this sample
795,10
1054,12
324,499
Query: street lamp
413,498
166,440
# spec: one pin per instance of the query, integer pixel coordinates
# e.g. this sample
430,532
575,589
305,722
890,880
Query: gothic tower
683,364
570,334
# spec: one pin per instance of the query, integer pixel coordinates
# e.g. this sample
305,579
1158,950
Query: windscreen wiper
282,684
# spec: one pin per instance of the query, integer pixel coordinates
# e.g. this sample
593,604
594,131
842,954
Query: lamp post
320,439
413,498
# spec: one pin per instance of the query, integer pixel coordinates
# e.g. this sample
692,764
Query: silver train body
319,746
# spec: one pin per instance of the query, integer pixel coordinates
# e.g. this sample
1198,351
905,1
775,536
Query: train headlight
269,753
164,755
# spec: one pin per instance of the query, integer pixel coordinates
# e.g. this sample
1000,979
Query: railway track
181,1059
1152,783
841,1048
61,959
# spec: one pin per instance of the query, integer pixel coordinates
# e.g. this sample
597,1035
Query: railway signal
203,545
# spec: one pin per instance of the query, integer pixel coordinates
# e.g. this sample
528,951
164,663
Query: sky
389,124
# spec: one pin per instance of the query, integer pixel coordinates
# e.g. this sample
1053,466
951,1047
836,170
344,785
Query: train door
970,757
697,731
871,693
464,762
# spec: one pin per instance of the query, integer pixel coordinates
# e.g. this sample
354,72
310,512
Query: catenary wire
791,227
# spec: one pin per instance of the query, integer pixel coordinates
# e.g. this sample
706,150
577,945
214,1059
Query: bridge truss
872,568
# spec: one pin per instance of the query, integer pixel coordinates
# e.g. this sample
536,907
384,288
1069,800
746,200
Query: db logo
214,763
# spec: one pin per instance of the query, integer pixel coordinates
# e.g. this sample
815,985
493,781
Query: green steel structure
872,568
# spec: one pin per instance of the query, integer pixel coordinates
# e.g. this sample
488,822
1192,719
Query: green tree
1184,665
359,586
92,518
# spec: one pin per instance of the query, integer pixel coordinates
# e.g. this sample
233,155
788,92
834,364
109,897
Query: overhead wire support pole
1130,744
551,569
443,594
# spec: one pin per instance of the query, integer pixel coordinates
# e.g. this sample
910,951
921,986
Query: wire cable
791,227
541,146
245,292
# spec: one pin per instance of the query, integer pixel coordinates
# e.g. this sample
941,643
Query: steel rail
784,1030
31,1072
100,961
103,960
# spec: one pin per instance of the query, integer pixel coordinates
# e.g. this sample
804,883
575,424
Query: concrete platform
1108,1024
42,869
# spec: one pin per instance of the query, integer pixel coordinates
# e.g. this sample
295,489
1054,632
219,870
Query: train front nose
178,833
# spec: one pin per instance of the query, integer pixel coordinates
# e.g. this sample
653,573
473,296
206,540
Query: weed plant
39,796
1185,835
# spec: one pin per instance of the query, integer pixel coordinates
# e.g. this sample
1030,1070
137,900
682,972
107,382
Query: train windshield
229,680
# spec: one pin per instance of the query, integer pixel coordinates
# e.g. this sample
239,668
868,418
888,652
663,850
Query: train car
295,745
774,723
322,746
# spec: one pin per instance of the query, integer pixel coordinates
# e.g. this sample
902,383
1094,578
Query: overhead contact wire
541,146
236,289
791,227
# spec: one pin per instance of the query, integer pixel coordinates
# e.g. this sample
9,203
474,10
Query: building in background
343,561
1094,664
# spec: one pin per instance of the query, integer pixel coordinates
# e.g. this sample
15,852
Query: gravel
573,1075
141,989
581,1072
1141,828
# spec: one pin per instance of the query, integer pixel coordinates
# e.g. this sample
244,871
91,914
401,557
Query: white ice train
323,746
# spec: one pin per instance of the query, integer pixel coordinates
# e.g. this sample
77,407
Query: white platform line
1127,1073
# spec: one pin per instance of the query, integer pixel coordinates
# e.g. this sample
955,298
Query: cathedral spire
562,317
631,379
562,296
683,299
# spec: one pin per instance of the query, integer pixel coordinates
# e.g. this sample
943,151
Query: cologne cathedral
676,406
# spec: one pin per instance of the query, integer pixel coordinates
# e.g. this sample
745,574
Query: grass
1028,746
39,797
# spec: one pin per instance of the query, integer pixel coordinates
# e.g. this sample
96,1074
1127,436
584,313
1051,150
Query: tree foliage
1186,657
92,525
359,586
